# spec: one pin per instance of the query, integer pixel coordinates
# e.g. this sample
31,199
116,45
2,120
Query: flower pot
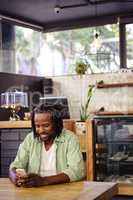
80,128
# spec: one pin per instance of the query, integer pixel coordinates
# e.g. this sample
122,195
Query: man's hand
33,180
14,177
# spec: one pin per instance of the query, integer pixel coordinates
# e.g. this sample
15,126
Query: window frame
123,21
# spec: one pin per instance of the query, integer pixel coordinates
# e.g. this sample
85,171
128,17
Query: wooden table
69,191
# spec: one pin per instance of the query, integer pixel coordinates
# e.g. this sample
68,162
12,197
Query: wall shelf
110,113
114,85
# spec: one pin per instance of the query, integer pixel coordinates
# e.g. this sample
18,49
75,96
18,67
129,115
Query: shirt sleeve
75,163
22,157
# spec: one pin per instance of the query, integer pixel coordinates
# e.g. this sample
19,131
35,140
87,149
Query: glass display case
113,149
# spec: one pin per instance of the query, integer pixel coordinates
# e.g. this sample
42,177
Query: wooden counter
68,191
69,124
15,124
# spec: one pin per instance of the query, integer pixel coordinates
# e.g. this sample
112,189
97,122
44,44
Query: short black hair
56,118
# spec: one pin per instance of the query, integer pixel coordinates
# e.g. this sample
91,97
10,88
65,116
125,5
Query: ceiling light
96,44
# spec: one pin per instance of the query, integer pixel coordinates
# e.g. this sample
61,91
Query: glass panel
99,47
114,149
129,37
29,52
28,44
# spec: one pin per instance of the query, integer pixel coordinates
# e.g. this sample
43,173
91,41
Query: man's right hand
16,178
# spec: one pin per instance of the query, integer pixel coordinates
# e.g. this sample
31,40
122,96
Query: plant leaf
84,108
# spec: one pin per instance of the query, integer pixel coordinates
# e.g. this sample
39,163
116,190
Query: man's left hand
33,180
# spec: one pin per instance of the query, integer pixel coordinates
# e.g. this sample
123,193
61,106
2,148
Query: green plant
81,67
84,108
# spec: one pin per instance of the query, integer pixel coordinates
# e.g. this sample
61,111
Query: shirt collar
60,138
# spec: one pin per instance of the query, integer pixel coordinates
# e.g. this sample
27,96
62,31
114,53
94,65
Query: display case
113,149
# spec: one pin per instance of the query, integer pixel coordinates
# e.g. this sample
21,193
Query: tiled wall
9,143
113,99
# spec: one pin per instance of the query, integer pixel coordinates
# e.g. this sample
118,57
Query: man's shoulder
67,134
29,137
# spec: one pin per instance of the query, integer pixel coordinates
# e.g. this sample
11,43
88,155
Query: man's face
44,126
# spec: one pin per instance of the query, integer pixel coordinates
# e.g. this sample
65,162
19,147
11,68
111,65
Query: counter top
69,124
15,124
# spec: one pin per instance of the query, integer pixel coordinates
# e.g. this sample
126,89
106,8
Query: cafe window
26,51
62,49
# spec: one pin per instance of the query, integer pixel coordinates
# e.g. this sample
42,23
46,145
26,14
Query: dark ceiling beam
74,6
80,23
91,2
108,1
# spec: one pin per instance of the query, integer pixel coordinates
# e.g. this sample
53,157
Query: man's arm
34,180
56,179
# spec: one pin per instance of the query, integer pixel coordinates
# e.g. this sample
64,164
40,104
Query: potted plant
84,108
80,125
81,67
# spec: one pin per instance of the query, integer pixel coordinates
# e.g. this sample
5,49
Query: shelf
126,179
114,85
118,142
100,148
113,113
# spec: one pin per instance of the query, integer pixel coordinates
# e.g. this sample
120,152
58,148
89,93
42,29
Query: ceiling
52,15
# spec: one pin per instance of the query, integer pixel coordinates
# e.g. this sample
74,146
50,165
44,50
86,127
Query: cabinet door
10,140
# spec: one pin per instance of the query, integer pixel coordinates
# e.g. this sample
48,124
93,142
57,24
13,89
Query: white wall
113,99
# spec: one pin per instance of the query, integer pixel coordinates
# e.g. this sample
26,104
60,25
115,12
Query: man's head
46,122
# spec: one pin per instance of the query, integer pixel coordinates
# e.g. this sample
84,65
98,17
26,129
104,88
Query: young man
50,154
